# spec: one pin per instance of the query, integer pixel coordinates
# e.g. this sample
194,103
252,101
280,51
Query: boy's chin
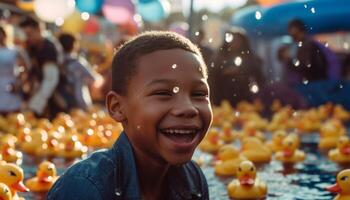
178,161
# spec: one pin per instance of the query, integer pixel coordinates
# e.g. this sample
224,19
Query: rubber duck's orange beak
345,150
246,180
287,153
334,188
19,186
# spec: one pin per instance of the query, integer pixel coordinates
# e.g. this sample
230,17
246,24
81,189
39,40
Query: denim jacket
112,175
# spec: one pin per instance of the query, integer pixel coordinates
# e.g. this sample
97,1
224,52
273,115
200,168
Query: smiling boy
161,96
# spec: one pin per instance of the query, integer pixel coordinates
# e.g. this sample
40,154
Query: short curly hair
125,60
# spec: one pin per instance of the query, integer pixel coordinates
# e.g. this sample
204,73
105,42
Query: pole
190,21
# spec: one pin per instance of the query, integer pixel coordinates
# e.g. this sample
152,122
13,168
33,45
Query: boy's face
167,108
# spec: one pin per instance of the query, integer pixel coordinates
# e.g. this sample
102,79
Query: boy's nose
185,108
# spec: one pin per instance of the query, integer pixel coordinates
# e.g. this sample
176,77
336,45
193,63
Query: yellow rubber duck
254,150
228,159
342,153
50,147
247,186
9,153
5,193
340,113
289,152
94,138
330,133
211,142
276,142
72,148
33,141
46,176
227,134
249,130
342,187
12,176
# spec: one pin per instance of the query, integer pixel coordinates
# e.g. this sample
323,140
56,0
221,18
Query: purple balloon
127,4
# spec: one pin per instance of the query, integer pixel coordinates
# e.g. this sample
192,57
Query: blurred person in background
44,74
237,74
11,60
313,60
206,51
78,72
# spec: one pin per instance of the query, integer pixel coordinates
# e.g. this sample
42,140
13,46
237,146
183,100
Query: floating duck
246,186
9,153
254,150
342,187
340,113
325,111
330,133
5,193
211,143
33,141
276,143
227,134
46,176
12,176
342,153
290,153
228,160
72,148
95,139
250,130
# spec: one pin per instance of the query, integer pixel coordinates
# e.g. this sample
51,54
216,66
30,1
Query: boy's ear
114,106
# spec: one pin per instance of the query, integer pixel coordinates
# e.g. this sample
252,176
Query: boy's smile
167,108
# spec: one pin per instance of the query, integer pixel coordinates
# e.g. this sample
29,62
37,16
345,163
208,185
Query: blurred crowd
51,73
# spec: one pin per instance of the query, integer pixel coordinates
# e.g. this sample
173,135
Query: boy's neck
151,174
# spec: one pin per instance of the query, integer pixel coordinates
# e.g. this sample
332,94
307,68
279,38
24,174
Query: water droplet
313,10
200,69
346,45
326,45
238,61
233,80
212,64
59,21
305,81
258,15
210,40
174,66
296,62
234,94
196,33
85,16
138,127
340,86
300,44
228,37
305,6
176,89
237,114
254,88
204,17
308,65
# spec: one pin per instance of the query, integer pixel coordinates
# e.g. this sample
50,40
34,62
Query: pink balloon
118,11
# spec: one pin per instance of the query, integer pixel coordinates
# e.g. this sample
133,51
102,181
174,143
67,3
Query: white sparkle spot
174,66
138,127
254,88
308,65
210,40
59,21
296,62
204,17
85,16
258,15
313,10
300,44
346,45
200,69
176,89
340,86
238,61
196,33
326,45
305,81
305,6
228,37
212,64
237,114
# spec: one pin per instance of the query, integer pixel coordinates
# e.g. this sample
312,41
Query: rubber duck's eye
50,168
11,173
252,169
6,190
239,169
344,178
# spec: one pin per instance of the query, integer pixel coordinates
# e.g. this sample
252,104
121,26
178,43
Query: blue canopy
320,16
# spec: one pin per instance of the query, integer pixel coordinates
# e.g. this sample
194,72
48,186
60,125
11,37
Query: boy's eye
163,93
200,94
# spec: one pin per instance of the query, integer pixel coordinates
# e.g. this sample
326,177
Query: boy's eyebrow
169,81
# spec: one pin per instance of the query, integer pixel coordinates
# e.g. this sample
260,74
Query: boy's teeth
179,131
